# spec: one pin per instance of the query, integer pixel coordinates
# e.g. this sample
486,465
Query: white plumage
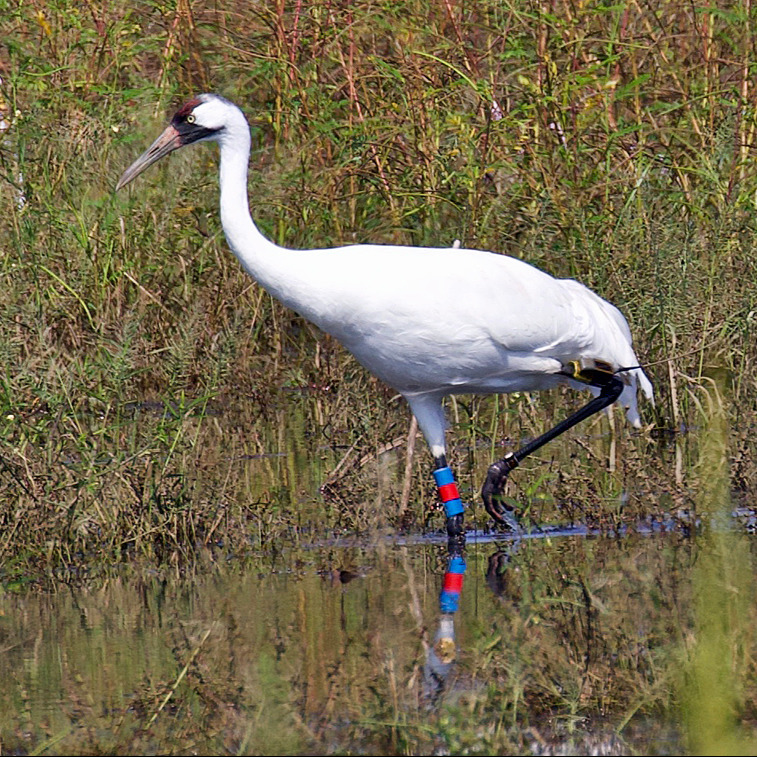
427,321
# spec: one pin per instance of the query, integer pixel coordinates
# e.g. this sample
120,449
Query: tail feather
637,379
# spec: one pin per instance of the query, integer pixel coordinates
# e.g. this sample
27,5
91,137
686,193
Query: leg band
445,482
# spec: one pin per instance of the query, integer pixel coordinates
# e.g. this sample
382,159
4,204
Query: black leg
599,375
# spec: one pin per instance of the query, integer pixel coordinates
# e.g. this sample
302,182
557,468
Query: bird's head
204,117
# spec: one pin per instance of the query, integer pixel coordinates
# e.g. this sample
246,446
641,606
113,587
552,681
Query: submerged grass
561,637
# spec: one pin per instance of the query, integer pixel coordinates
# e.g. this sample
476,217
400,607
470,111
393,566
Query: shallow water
344,648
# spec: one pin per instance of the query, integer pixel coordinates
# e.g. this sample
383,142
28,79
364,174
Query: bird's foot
492,489
456,534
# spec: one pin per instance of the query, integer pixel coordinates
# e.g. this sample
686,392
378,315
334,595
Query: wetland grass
158,409
606,161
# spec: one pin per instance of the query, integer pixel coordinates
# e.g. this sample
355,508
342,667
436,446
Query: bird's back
454,320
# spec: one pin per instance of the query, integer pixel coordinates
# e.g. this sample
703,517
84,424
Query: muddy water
562,643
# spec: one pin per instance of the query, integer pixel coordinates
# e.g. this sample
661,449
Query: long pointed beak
168,141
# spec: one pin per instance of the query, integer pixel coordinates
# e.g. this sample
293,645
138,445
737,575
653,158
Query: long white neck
266,262
307,281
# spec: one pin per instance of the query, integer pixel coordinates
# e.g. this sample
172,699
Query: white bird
429,322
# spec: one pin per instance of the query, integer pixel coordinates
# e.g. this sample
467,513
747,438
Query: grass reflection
717,674
573,642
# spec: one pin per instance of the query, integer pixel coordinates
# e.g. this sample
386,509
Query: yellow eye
190,118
